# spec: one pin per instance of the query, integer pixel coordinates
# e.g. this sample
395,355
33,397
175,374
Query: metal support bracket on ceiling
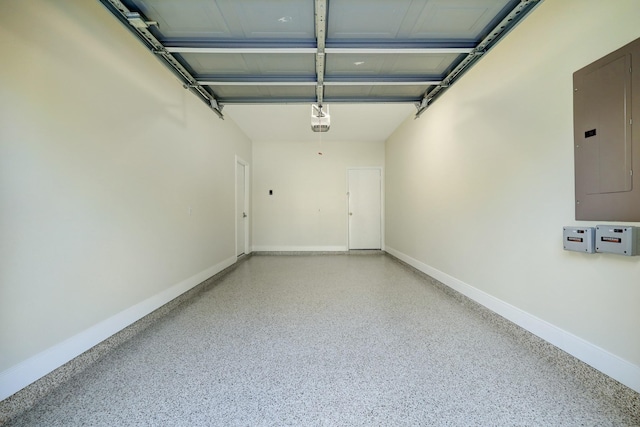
522,9
139,26
321,37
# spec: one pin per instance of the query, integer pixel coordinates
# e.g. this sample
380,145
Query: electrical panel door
606,148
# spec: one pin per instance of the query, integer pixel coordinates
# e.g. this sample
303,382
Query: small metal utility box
617,239
579,239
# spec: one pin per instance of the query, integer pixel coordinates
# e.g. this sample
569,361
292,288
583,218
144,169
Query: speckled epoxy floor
331,340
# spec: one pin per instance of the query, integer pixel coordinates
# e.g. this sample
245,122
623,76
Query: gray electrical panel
579,239
606,139
617,239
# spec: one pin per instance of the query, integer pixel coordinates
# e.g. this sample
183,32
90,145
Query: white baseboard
21,375
299,249
607,363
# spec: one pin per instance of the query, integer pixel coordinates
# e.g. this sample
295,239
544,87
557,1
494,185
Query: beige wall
308,208
481,185
102,153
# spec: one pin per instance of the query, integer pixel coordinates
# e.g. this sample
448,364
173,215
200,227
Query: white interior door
241,209
365,209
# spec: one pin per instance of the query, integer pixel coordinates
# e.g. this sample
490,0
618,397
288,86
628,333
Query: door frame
239,160
382,203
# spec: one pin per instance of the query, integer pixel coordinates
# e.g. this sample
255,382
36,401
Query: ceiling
239,52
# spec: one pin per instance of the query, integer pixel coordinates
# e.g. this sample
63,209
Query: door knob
350,213
244,214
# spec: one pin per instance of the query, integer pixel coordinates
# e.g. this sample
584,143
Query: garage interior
124,125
